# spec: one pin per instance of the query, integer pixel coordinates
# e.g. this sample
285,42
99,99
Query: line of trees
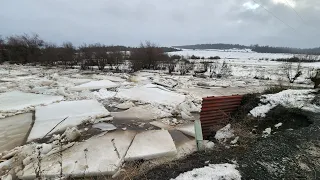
31,49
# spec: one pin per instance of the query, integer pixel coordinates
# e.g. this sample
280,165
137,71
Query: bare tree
2,50
49,55
291,71
147,56
115,57
24,48
100,56
67,54
85,57
171,64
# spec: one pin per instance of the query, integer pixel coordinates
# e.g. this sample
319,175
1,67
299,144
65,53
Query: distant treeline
213,46
33,50
255,48
270,49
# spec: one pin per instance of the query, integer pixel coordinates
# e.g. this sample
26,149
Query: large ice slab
187,129
77,111
152,94
96,156
95,85
13,130
17,101
151,144
144,113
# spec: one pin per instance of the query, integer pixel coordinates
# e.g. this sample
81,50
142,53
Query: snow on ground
228,54
213,172
224,133
75,112
288,98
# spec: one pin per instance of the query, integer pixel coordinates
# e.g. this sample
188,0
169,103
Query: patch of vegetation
175,57
261,78
297,59
274,89
194,57
214,57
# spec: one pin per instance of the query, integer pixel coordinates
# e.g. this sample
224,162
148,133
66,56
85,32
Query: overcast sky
165,22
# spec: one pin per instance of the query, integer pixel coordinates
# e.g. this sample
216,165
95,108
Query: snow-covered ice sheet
151,144
95,85
20,101
79,81
145,112
213,172
104,94
77,111
94,157
152,94
110,78
13,130
287,98
125,105
165,82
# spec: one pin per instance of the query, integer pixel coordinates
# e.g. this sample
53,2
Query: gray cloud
166,22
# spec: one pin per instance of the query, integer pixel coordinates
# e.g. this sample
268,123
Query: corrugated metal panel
215,112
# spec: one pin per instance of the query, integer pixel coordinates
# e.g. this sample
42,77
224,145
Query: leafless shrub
194,57
175,57
292,72
37,166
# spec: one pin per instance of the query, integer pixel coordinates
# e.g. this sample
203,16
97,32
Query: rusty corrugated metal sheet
215,112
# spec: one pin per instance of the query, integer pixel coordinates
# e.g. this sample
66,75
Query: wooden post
199,136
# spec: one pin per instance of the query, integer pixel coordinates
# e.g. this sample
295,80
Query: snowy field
245,54
73,102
